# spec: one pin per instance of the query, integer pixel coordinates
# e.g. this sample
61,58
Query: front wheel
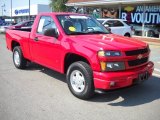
80,80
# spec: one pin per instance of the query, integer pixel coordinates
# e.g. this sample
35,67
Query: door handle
36,38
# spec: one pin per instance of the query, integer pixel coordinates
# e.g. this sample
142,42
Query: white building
22,13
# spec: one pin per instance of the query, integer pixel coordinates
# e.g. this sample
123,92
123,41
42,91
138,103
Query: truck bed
20,36
27,29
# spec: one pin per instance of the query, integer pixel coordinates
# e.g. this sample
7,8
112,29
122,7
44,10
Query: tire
151,33
80,80
127,35
19,61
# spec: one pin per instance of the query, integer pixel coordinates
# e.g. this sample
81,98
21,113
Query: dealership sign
21,11
142,14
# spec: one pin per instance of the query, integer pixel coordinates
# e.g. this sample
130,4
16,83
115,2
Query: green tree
58,5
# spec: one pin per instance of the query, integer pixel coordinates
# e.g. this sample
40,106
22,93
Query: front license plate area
143,76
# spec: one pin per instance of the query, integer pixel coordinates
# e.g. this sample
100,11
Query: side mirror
51,32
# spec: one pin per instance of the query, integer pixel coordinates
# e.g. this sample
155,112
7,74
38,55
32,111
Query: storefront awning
102,2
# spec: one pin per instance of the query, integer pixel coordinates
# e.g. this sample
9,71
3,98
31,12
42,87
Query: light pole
29,9
2,10
11,10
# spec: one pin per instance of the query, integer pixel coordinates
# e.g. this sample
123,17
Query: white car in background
4,27
117,26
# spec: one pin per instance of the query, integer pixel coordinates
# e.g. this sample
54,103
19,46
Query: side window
118,23
26,24
109,24
45,23
115,23
30,23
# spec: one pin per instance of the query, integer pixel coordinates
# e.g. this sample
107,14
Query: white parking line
157,75
158,70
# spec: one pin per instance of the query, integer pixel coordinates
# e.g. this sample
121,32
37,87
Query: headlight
112,66
109,53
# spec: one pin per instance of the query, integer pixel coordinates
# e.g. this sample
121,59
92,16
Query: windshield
81,24
101,21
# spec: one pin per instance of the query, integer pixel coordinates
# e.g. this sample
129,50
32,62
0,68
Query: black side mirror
51,32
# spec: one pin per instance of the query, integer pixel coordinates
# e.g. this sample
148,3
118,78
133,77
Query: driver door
46,50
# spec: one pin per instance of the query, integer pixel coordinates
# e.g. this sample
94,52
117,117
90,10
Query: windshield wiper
77,33
85,33
97,32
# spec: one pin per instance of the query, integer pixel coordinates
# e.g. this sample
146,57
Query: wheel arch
71,58
127,34
14,43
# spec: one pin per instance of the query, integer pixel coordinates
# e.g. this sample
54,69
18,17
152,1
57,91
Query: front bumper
105,80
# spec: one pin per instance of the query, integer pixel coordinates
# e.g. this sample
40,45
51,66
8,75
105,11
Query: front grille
137,52
137,62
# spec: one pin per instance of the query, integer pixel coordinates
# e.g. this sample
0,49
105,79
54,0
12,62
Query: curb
150,41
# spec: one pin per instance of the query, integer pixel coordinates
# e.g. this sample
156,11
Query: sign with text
21,11
142,14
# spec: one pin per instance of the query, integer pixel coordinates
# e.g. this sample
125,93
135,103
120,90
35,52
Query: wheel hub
16,58
77,81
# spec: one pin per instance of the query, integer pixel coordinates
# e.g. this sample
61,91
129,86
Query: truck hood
108,42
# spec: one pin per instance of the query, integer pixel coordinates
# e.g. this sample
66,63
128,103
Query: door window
45,23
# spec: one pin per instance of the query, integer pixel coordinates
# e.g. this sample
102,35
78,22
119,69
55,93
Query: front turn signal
103,66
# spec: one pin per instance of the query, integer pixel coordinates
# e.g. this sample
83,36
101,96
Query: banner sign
142,14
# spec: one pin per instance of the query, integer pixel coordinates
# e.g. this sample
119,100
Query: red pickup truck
80,47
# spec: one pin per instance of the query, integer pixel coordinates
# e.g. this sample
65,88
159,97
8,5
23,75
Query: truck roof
59,13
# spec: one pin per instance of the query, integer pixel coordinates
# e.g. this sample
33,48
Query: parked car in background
117,26
149,30
4,27
22,25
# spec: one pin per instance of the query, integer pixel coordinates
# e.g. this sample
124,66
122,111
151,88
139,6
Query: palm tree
58,5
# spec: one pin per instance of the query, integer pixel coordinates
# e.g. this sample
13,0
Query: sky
18,3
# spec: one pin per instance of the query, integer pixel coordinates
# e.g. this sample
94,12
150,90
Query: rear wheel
80,80
18,59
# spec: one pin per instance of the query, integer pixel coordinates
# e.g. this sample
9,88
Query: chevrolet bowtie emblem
140,56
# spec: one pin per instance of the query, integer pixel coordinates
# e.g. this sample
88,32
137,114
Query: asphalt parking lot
38,93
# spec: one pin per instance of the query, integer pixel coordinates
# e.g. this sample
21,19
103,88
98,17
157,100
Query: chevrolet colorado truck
80,47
